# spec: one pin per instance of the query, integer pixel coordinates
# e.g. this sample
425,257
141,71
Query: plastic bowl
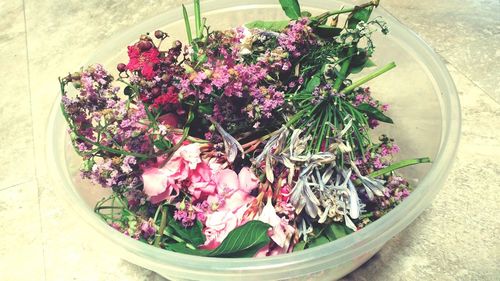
425,108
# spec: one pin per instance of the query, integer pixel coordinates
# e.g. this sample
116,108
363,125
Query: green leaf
326,31
299,246
357,69
182,248
374,113
320,240
193,234
313,83
399,165
359,15
162,144
276,26
243,241
187,24
291,8
336,231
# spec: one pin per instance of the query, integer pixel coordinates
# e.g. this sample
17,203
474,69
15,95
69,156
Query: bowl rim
338,250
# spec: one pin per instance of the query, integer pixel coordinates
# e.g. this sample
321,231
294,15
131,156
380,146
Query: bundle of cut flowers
245,142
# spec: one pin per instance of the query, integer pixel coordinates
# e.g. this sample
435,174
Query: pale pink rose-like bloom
248,180
201,179
281,232
158,186
189,153
160,183
235,188
229,204
218,226
220,223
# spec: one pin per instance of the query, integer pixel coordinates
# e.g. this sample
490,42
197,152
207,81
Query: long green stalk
197,18
369,77
188,25
399,165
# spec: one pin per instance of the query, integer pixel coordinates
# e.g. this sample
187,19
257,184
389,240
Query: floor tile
21,252
480,62
448,24
16,139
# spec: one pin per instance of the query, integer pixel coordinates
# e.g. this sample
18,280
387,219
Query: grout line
33,137
16,184
473,82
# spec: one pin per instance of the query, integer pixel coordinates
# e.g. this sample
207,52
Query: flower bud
144,45
159,34
177,44
76,76
121,67
87,165
155,91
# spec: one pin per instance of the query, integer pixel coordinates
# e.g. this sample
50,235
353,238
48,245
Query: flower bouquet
245,142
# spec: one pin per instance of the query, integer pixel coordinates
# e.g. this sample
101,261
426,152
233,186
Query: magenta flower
143,62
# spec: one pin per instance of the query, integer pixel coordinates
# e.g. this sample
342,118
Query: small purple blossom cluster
364,96
297,38
378,158
187,213
100,119
324,91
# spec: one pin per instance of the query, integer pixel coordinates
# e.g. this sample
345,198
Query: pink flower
163,183
201,179
279,233
248,181
158,186
235,188
218,225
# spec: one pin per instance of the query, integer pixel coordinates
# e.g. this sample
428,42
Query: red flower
170,97
143,61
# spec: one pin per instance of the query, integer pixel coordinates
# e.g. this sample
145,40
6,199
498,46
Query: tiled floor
41,239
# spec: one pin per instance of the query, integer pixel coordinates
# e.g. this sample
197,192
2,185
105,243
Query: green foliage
359,15
291,8
374,113
336,231
193,234
243,241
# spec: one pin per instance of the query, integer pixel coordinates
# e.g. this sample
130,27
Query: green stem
188,25
163,224
343,11
369,77
197,18
296,117
344,69
399,165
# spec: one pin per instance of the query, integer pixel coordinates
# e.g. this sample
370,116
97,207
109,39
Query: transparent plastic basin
424,106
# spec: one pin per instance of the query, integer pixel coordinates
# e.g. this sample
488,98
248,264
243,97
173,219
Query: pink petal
237,200
190,153
169,119
155,181
227,181
248,181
